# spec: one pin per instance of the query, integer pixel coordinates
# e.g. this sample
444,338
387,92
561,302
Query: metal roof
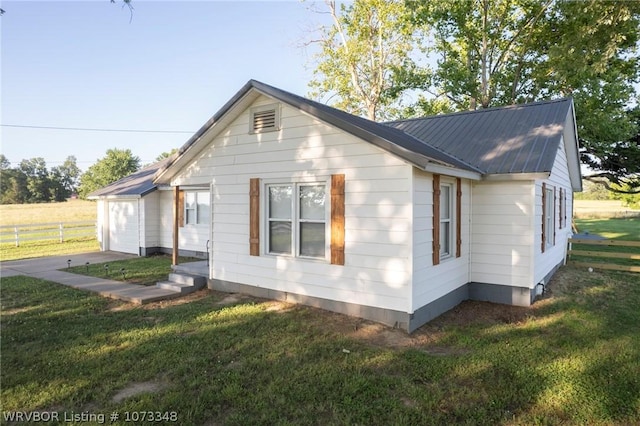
514,139
386,137
139,183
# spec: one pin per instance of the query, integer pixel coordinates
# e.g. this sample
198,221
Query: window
445,220
548,216
196,208
296,219
264,119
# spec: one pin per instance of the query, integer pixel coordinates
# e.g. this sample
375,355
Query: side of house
293,165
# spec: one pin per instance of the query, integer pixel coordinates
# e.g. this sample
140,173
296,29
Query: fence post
61,232
15,230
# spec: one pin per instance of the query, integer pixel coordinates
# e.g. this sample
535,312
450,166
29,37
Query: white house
396,222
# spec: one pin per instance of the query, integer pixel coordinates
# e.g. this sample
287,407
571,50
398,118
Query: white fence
60,231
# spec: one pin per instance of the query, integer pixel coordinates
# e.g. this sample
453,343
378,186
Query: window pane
203,207
280,237
190,200
445,202
191,216
445,238
280,202
312,239
312,202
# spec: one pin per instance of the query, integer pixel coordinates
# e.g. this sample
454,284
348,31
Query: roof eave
516,176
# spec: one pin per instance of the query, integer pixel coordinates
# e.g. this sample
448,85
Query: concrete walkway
52,269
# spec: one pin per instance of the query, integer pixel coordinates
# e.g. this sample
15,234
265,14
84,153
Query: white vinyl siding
432,282
150,220
502,240
377,269
123,226
192,238
554,254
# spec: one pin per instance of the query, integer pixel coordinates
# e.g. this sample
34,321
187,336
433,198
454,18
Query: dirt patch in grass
136,389
427,337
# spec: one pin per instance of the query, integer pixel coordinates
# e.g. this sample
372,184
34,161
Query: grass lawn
139,270
627,229
573,358
31,249
70,211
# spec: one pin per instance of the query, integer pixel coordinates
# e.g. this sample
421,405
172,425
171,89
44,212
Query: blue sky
85,65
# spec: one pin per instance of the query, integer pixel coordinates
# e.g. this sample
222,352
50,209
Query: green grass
69,211
627,229
575,359
139,270
31,249
27,214
615,229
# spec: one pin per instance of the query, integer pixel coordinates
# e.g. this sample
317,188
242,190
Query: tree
68,173
116,164
37,180
500,52
166,154
369,41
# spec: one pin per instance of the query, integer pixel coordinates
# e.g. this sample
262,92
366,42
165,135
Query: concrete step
182,278
177,287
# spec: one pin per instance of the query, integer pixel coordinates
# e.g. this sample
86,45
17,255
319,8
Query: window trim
445,183
296,220
196,209
262,108
455,218
548,216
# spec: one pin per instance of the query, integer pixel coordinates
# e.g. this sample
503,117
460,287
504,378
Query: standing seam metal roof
513,139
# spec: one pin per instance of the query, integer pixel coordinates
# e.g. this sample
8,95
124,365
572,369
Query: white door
123,226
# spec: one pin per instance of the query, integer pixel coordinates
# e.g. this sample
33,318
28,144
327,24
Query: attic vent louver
265,119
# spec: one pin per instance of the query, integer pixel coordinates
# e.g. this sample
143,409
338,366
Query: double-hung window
297,219
196,207
445,219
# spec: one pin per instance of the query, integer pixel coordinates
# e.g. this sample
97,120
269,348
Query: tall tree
368,42
68,173
37,177
492,53
116,164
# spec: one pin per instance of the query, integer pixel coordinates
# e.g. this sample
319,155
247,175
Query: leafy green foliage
32,182
500,52
116,164
369,42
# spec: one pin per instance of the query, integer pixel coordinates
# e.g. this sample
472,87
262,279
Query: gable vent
265,119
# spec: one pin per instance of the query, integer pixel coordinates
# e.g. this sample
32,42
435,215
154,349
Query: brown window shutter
254,217
436,219
181,209
458,217
564,209
337,219
554,215
544,214
560,209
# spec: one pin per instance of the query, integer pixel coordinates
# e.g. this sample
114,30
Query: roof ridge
479,111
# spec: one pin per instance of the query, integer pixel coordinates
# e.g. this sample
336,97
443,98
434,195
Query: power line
84,129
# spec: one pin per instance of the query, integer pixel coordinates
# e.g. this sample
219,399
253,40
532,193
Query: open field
212,358
71,211
584,209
